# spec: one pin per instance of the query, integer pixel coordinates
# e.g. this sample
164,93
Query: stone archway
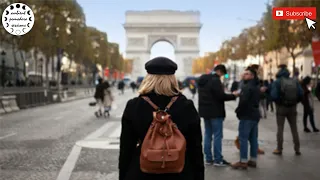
179,28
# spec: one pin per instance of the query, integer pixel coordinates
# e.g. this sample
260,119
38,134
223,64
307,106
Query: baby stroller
107,110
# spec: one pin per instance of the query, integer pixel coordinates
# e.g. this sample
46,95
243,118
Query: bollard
6,104
13,103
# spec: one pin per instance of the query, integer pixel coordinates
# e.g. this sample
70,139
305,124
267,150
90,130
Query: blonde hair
161,84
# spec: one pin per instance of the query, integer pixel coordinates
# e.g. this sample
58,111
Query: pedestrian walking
268,92
133,86
121,87
193,88
212,109
99,96
287,93
249,116
171,148
308,105
263,100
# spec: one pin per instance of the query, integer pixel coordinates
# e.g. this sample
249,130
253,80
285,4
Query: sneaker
208,163
239,165
277,152
307,130
252,164
298,153
316,130
222,163
96,114
260,151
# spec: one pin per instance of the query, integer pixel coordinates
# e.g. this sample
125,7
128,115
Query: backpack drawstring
165,146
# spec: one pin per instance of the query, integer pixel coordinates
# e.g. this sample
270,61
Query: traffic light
226,76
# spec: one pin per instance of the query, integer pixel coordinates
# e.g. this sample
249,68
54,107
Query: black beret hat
161,66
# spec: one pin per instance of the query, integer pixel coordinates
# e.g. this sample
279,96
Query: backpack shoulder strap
150,102
173,99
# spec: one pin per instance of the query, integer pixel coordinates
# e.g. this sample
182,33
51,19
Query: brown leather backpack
163,148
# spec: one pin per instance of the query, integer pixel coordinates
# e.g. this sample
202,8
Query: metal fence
15,98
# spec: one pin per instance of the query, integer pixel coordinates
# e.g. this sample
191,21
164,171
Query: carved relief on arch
172,39
136,41
188,41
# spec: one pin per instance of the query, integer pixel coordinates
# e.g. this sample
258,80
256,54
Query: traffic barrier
13,103
6,104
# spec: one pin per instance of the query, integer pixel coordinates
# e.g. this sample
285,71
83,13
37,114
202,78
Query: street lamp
3,73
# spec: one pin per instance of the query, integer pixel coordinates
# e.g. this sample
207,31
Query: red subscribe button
289,13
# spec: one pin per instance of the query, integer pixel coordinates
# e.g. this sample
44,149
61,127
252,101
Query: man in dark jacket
286,92
121,87
212,109
249,115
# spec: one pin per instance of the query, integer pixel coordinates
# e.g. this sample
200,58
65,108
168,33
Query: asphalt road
67,142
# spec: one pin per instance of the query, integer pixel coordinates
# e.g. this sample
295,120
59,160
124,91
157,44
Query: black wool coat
212,97
136,120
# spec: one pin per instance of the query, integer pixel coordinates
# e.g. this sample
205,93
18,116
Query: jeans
248,131
213,127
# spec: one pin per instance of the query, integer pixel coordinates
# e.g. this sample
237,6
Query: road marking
67,168
8,135
99,132
118,116
116,133
100,143
70,163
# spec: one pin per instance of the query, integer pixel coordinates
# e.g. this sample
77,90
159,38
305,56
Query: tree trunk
16,75
35,56
24,63
53,70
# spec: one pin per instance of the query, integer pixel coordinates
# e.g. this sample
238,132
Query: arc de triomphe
179,28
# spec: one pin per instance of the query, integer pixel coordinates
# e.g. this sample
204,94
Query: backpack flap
154,155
